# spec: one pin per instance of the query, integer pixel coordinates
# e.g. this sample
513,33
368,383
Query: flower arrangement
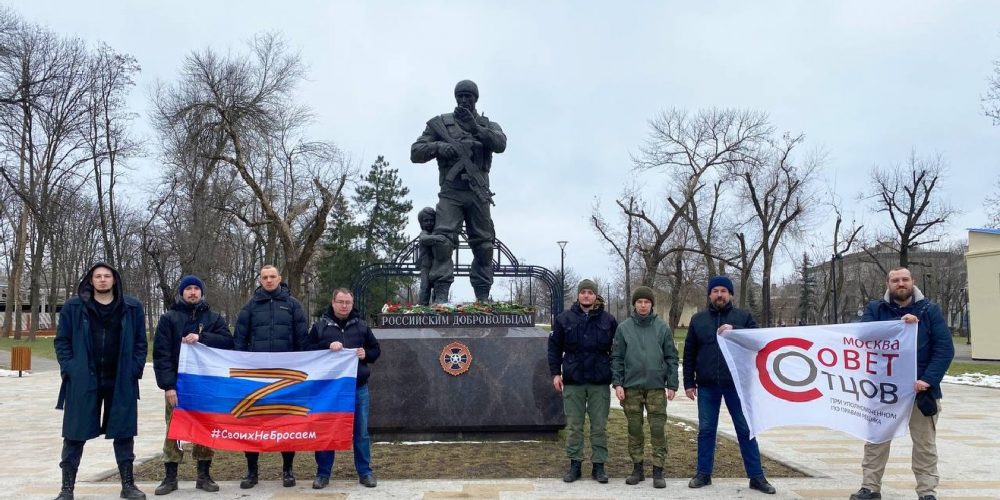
460,308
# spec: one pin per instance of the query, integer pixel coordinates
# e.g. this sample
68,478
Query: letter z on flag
265,401
857,378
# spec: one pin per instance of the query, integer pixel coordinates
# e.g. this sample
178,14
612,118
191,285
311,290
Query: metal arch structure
505,265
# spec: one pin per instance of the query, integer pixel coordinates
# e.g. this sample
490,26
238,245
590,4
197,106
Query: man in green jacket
644,375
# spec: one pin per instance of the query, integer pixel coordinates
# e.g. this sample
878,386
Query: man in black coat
579,358
341,327
101,347
707,378
272,321
189,320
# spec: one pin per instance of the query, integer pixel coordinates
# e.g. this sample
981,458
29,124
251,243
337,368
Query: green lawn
960,367
42,346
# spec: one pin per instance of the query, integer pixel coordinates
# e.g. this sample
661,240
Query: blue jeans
709,405
362,441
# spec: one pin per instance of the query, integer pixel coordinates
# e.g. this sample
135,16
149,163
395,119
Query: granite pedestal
505,393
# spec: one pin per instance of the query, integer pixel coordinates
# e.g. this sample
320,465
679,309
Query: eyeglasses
344,302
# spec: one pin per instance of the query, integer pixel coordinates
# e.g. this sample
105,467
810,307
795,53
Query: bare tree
107,138
43,129
776,187
844,238
991,102
247,99
992,207
623,241
909,195
696,150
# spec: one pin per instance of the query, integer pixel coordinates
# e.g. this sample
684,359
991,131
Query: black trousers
287,457
72,450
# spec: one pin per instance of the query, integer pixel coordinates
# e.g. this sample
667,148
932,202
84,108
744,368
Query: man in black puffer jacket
707,378
189,320
580,365
341,327
273,321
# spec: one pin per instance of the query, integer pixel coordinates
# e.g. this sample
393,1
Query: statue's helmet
467,86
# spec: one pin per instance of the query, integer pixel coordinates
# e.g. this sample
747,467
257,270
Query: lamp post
562,270
834,312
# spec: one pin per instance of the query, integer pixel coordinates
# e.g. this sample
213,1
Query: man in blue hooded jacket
101,347
935,350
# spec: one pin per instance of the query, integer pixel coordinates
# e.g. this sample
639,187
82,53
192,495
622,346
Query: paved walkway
968,444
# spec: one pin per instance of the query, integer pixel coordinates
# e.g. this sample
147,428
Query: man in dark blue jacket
341,327
580,364
272,321
935,350
707,378
189,320
101,347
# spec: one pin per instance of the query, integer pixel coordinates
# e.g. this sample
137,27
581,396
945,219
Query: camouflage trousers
654,402
172,451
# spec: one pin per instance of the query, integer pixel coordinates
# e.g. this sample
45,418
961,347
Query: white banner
856,377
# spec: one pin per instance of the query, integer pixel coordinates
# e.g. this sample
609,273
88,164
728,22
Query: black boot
68,481
637,474
574,471
251,478
169,482
598,473
128,483
658,481
205,481
287,478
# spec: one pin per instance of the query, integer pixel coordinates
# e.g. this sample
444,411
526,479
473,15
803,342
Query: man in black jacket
272,321
707,378
341,327
189,320
101,347
580,364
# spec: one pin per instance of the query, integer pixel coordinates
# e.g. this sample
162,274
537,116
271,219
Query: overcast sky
573,85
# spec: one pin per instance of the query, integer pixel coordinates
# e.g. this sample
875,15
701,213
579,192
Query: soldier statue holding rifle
463,143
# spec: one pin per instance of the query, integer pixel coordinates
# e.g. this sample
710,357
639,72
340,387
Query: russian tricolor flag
265,401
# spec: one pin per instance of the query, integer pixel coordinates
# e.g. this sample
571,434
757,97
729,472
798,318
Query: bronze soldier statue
463,143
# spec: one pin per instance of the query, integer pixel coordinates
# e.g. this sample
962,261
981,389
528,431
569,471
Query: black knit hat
643,292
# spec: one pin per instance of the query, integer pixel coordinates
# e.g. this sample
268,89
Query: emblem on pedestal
455,359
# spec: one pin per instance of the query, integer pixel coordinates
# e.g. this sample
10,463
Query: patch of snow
684,425
977,379
12,373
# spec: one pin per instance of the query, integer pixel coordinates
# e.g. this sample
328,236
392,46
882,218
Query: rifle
477,179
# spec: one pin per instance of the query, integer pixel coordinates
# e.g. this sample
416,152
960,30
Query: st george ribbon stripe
247,401
221,395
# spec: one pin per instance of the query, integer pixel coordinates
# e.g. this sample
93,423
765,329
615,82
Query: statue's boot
441,293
